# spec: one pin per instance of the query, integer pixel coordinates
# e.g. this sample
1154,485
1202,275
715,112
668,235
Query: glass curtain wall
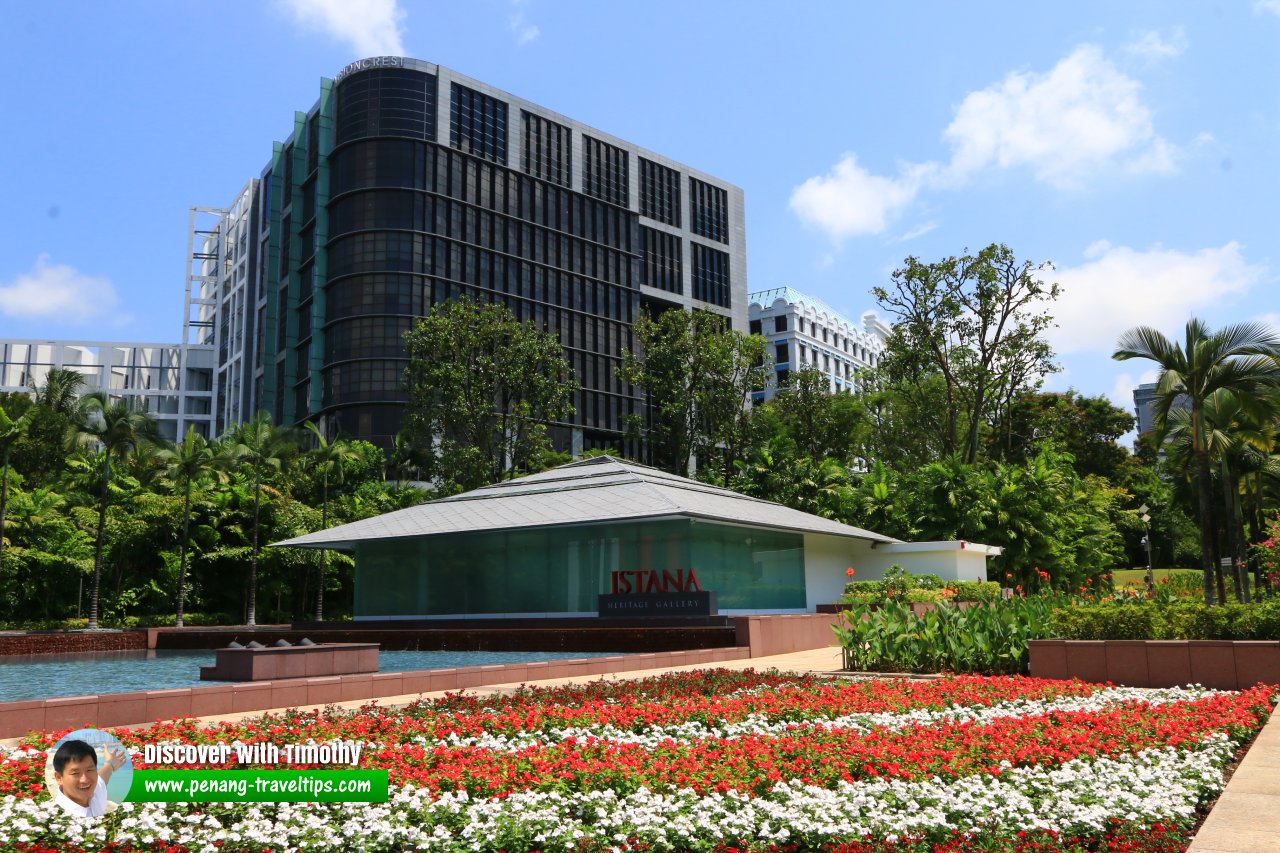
562,570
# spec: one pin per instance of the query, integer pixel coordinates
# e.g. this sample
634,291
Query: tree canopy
482,388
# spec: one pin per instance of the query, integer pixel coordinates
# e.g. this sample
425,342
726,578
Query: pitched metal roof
592,491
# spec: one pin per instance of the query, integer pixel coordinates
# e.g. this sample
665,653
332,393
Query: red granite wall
1221,664
783,634
55,642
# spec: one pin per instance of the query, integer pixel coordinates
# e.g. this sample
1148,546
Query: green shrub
151,621
1183,620
899,585
990,637
975,590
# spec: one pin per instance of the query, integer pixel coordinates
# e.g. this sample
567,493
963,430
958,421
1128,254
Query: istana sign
648,593
372,62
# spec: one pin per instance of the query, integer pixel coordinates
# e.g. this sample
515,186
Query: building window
784,376
548,149
659,192
711,275
781,353
709,210
660,262
386,102
604,171
313,142
755,327
478,124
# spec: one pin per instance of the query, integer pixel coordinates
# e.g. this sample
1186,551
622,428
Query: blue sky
1135,145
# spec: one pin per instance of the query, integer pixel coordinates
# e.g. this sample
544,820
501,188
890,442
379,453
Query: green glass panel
563,570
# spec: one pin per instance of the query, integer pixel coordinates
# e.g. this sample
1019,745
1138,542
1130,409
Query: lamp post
1146,540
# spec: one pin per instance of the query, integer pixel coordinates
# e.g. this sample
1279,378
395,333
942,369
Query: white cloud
1081,118
57,291
1271,319
1272,6
1122,391
918,231
371,27
849,201
1152,45
1117,288
524,31
1161,159
1065,125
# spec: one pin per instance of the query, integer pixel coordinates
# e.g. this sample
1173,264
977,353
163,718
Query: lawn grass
1136,577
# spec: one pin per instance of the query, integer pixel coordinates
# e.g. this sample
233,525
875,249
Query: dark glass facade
659,192
548,149
407,185
711,275
661,263
708,210
605,171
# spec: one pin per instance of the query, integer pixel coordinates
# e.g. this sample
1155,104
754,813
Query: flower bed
718,762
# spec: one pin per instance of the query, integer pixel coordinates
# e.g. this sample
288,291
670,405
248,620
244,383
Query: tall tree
114,429
327,457
699,375
978,322
60,391
186,464
1088,428
1240,359
11,430
262,448
482,388
41,455
1237,434
821,424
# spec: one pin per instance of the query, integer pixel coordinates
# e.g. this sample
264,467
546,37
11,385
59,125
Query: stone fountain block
279,662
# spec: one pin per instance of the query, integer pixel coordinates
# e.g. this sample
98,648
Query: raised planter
1221,664
245,663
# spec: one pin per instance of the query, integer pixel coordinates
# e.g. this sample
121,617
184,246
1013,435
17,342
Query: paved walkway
1246,818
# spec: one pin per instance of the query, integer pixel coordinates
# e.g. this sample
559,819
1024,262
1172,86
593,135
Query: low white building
549,544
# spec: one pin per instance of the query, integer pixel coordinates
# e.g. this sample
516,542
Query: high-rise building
806,332
1144,405
407,184
1144,401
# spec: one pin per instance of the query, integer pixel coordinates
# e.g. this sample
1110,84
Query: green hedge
1180,621
898,585
188,619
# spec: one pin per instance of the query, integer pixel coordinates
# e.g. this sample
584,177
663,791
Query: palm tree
115,429
1239,358
186,464
328,458
60,391
261,447
11,429
1235,436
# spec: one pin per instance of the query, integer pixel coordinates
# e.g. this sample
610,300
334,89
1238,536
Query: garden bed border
1220,664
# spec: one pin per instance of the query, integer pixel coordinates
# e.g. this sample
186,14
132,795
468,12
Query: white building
172,382
805,331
